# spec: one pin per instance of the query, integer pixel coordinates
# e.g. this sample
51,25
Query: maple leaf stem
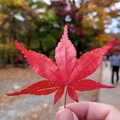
65,97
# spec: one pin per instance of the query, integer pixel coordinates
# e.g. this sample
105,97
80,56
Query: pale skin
84,110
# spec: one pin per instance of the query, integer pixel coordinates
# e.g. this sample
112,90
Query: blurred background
38,25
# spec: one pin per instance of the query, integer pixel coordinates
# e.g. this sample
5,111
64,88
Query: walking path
32,107
109,96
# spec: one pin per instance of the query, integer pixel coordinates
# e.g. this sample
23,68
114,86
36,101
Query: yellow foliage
7,47
7,3
88,30
83,8
102,39
94,15
2,16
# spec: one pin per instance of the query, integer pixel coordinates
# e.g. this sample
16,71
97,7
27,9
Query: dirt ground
31,107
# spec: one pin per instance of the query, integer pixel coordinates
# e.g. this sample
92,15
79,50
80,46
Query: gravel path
31,107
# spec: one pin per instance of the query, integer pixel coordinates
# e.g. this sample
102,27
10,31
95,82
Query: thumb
66,114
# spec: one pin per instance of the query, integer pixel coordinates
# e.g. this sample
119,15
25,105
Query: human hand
84,110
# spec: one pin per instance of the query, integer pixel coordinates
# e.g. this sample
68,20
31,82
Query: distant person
20,60
106,58
80,54
115,64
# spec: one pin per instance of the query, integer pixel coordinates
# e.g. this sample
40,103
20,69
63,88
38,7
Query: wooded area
39,25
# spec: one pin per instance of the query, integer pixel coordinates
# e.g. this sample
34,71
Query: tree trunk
41,47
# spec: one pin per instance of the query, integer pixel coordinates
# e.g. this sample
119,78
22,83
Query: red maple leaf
66,72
